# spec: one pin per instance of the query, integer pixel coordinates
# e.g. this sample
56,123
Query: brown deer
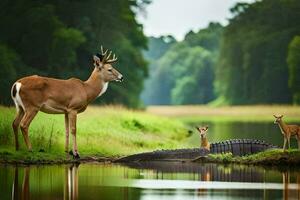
287,131
204,141
55,96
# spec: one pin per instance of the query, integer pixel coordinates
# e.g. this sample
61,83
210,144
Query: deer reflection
21,187
286,182
204,176
287,192
25,190
71,182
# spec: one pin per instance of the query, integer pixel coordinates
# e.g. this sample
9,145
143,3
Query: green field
113,131
101,131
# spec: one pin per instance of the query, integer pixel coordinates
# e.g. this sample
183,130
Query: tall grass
108,131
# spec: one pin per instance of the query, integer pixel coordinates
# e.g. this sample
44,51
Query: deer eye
110,70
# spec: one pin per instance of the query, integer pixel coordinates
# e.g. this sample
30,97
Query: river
153,180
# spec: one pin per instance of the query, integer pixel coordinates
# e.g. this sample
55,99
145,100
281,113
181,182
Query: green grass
274,157
101,131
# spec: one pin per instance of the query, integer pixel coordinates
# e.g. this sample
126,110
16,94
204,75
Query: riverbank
43,158
106,131
270,158
273,157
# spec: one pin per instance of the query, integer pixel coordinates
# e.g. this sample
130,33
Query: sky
177,17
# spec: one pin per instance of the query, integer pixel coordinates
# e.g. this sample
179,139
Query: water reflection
23,191
149,180
204,172
286,179
71,182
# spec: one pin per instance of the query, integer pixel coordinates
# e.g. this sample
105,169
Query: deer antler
102,52
114,59
105,56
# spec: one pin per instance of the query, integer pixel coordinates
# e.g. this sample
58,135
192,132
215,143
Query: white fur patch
104,88
17,99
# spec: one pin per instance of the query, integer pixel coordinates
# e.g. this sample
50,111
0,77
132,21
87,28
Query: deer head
103,63
277,118
202,131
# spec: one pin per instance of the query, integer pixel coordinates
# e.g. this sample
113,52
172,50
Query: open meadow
114,131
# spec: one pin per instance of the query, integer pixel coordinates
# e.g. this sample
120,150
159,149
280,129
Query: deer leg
288,140
284,143
67,127
298,140
24,125
72,121
15,125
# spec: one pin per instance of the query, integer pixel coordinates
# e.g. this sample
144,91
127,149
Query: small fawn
204,141
287,131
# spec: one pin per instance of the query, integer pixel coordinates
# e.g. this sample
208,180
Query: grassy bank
101,131
261,113
275,157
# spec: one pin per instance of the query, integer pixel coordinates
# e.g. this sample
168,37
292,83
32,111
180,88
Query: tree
157,47
57,39
293,61
10,63
184,74
252,66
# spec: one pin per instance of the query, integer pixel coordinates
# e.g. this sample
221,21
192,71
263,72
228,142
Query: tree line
58,38
255,59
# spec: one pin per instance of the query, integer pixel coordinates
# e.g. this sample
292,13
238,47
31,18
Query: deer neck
95,85
204,142
282,126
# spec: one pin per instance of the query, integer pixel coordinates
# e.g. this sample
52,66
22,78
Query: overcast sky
177,17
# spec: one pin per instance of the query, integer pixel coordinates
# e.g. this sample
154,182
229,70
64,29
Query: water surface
150,180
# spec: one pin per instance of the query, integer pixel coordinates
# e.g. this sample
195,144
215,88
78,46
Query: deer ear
275,116
206,128
96,58
97,61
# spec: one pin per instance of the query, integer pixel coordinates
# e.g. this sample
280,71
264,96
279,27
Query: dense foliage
252,67
294,68
57,38
184,74
255,59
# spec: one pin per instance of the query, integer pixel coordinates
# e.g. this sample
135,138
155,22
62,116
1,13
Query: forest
58,38
255,59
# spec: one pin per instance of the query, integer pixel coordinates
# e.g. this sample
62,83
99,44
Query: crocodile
238,147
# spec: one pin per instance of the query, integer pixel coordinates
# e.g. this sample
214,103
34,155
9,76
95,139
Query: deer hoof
76,156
